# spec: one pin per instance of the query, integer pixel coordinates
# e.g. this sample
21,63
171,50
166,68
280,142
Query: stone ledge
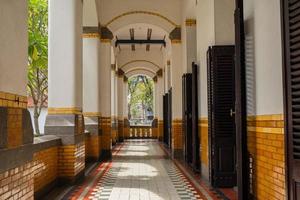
11,158
45,142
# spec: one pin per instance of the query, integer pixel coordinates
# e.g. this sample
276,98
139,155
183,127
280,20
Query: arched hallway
218,120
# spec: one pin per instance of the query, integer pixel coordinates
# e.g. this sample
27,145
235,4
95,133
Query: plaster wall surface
109,9
263,57
13,55
205,38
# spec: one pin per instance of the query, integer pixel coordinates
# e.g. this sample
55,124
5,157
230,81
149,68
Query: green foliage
140,96
38,55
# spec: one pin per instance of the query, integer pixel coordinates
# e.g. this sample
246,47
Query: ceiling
140,31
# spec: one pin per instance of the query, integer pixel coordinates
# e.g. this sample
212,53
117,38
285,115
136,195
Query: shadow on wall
250,67
250,89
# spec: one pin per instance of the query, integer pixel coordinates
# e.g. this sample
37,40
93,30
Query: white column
105,80
176,82
91,76
65,55
176,85
125,97
120,104
65,117
159,98
105,99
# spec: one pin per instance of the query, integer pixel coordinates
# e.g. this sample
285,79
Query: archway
140,99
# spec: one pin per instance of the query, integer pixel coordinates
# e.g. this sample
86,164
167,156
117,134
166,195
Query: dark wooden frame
287,101
195,118
221,119
241,104
187,117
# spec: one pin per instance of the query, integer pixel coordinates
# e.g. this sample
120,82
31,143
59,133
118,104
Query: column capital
105,34
90,32
190,22
125,79
155,79
175,35
113,67
168,62
120,73
159,73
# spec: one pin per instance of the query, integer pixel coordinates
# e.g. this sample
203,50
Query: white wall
205,38
264,57
215,26
13,43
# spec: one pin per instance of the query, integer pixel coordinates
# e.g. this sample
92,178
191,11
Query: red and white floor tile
140,170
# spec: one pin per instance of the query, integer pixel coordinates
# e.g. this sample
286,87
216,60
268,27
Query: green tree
38,56
140,96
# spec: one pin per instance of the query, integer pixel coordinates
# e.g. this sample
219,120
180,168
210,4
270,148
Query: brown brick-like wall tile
71,160
14,128
177,142
45,165
121,128
12,100
203,131
17,183
106,133
92,146
160,129
266,146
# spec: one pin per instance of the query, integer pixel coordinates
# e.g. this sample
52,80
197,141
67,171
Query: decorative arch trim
140,69
134,61
143,13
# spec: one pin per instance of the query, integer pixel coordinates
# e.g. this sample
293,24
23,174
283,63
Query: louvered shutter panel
222,130
291,16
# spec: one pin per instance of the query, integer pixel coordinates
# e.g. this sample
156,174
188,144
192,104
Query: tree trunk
36,120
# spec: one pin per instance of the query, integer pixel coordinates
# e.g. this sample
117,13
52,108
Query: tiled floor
139,170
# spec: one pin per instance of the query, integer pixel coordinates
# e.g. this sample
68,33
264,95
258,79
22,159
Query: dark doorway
291,82
167,117
221,116
195,132
170,118
187,117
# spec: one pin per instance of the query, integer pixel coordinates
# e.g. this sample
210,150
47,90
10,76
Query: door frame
241,104
286,100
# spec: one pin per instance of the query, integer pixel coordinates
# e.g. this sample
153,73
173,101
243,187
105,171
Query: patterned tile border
200,185
104,178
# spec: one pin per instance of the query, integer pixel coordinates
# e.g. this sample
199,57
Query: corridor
140,169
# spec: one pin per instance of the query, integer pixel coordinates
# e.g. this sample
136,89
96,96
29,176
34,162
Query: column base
79,178
92,139
71,154
177,140
177,154
106,155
